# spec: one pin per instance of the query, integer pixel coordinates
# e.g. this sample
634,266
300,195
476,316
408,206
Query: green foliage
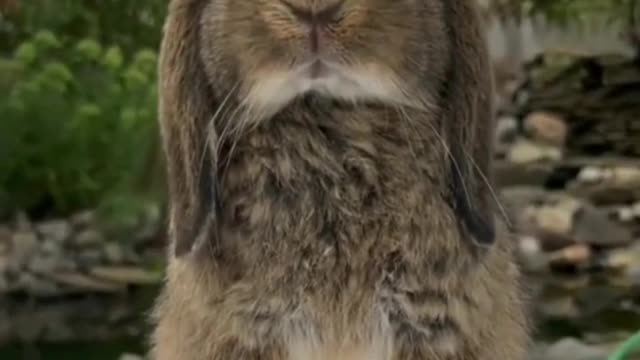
129,24
614,12
78,122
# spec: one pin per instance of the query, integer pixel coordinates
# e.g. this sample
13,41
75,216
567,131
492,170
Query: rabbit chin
273,90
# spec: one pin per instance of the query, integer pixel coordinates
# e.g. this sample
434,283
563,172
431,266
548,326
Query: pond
563,307
110,350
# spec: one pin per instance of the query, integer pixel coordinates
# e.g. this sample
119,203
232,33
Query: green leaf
26,53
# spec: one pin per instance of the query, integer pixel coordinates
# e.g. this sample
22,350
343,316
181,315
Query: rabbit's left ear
186,106
469,123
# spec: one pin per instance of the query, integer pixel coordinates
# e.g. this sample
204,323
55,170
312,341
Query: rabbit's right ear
186,105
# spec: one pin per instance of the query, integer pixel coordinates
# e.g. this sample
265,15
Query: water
601,314
111,350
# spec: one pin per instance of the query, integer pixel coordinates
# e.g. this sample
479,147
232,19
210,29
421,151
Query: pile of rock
572,198
568,169
65,256
74,279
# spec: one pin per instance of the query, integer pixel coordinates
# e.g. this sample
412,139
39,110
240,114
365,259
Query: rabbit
330,187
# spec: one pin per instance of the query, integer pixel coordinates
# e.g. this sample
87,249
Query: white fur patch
374,341
274,89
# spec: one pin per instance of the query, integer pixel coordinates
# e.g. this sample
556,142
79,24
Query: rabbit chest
337,228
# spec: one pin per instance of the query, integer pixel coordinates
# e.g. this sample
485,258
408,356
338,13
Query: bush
78,122
129,24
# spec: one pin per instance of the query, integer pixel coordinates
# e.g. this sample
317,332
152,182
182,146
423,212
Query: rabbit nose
315,17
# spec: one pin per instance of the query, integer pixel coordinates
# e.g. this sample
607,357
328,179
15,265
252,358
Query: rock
5,239
559,307
567,203
52,248
90,257
508,174
633,275
44,263
546,127
537,351
22,222
505,133
573,349
519,197
524,151
615,185
620,259
636,209
24,244
114,253
6,245
625,262
570,285
555,220
519,203
577,254
88,238
83,219
626,214
125,275
529,246
626,177
55,230
130,357
593,226
590,175
531,255
36,286
83,282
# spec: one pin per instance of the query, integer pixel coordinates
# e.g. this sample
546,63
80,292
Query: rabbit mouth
318,69
272,90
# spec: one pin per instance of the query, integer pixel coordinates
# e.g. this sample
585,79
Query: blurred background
82,189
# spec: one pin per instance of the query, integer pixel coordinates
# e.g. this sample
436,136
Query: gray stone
573,349
84,283
24,244
506,129
43,264
55,230
23,224
6,249
114,253
626,214
636,209
546,127
531,255
555,219
5,238
83,219
88,237
125,275
626,177
130,357
90,257
51,248
593,226
525,151
559,307
590,174
38,286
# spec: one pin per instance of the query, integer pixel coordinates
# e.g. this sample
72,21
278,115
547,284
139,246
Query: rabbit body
340,219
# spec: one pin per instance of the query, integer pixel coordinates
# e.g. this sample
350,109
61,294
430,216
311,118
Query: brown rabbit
328,164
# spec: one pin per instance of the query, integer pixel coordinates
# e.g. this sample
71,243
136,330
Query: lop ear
186,105
470,123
